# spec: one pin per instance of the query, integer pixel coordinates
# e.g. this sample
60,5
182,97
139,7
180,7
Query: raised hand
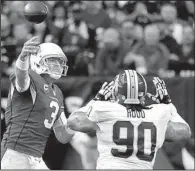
105,91
30,47
162,95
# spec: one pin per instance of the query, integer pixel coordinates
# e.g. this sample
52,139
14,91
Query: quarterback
129,133
35,106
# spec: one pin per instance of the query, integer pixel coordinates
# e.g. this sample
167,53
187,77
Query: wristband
22,65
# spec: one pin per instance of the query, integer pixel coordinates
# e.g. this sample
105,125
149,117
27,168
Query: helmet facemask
56,66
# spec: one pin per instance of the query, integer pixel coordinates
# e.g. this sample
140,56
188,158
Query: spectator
187,57
78,26
153,7
8,42
57,22
110,55
171,23
5,27
149,56
131,33
185,9
140,15
129,7
188,44
60,14
115,13
95,17
75,36
174,48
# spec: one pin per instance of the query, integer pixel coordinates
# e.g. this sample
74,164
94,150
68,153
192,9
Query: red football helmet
129,87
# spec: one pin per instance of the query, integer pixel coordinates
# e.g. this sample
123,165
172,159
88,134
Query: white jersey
130,140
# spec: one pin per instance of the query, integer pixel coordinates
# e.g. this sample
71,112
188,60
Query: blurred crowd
103,37
100,38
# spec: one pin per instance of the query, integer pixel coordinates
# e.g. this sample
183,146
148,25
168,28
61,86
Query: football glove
162,95
105,92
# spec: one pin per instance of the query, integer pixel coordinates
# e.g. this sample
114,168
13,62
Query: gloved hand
162,95
105,92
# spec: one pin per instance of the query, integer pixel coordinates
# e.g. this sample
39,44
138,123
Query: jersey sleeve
92,115
175,117
101,111
32,81
31,90
98,111
90,112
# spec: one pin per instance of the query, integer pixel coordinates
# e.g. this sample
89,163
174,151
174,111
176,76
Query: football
35,12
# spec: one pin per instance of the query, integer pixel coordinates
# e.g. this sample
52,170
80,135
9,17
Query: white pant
16,160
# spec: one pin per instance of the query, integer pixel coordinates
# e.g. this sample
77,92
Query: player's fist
162,95
105,92
30,47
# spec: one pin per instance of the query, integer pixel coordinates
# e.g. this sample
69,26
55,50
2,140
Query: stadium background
100,39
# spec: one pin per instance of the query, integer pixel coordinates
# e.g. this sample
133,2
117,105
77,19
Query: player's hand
105,91
30,47
162,95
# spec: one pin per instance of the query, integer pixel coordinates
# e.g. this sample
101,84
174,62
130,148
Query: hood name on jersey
135,114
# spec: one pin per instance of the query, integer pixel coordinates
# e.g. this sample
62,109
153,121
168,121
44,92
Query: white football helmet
50,59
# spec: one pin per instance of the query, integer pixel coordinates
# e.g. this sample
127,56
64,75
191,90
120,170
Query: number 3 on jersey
54,105
142,154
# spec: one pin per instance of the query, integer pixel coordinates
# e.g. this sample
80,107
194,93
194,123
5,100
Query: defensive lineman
129,134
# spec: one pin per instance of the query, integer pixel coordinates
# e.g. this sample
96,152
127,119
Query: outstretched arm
84,120
22,64
62,132
79,121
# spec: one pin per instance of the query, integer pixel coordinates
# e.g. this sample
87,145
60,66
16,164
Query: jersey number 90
128,140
